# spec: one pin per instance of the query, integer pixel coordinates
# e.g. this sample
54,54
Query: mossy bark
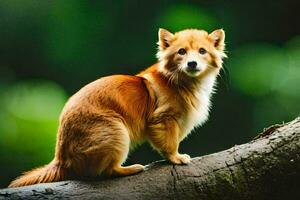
266,168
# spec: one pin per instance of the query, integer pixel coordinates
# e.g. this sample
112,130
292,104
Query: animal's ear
164,38
218,38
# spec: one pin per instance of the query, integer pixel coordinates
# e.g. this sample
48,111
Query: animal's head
191,52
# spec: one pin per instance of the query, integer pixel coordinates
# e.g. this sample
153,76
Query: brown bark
266,168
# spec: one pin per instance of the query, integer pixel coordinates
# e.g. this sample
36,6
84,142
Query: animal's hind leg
109,149
119,155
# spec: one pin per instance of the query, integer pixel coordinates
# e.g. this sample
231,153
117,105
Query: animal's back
128,96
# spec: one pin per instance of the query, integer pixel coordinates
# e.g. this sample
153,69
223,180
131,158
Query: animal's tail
48,173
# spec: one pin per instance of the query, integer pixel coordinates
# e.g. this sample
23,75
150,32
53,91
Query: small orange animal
162,104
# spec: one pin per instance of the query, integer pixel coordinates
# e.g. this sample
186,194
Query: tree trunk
266,168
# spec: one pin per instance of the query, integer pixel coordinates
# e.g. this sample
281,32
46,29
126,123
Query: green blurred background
50,49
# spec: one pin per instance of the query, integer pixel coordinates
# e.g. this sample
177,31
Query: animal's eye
182,51
202,51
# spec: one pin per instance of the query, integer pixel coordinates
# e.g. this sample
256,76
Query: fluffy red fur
162,104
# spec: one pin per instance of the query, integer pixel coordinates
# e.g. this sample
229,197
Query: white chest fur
199,114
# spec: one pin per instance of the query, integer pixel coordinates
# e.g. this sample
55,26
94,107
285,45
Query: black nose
192,64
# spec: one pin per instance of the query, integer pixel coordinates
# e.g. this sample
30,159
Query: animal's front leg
164,136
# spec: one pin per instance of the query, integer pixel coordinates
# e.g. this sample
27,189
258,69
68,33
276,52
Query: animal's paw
180,159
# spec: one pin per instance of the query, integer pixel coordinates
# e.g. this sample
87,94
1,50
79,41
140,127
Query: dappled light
28,123
182,16
270,74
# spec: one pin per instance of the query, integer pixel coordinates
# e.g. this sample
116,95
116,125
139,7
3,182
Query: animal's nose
192,64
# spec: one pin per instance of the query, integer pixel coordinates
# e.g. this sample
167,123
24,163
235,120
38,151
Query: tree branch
266,168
